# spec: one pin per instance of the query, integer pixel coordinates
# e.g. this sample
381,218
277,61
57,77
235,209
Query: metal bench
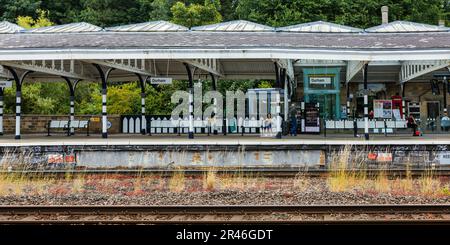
68,125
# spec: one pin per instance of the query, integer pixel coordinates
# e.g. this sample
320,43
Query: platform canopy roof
231,50
68,28
152,26
7,27
407,26
319,26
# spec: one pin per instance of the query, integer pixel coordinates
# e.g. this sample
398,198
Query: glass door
326,104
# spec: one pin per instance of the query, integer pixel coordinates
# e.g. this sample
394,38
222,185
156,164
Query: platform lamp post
366,103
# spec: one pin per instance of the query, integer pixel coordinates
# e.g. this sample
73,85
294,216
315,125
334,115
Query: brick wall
31,124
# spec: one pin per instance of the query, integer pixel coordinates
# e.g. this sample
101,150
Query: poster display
312,119
382,109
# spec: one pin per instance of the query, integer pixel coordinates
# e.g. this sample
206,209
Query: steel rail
215,214
260,172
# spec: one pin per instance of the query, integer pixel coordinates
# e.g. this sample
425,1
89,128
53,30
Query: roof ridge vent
68,28
234,26
150,26
319,26
8,27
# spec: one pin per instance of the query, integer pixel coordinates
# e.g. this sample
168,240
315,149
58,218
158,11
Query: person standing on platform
445,122
293,123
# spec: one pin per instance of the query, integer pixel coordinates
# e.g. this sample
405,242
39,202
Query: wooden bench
67,125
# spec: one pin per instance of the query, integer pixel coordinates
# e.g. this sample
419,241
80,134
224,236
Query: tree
63,11
10,10
357,13
156,9
28,22
110,12
196,14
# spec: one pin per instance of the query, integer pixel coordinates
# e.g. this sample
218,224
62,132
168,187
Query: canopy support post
72,100
191,101
104,78
142,81
366,103
214,88
1,111
19,82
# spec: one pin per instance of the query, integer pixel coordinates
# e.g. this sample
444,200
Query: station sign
5,84
161,80
320,80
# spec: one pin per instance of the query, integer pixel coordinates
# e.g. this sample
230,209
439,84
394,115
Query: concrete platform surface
122,139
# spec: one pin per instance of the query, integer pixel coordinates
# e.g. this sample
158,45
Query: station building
346,72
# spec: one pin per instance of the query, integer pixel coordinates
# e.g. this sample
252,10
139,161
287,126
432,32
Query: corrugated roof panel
67,28
406,26
8,27
152,26
234,26
319,26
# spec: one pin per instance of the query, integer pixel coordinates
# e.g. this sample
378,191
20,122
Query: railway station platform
168,152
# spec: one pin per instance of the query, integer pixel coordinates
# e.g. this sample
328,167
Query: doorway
433,109
326,104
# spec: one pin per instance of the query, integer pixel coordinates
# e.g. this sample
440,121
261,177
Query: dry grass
382,183
428,183
177,181
210,180
301,181
406,184
343,176
233,181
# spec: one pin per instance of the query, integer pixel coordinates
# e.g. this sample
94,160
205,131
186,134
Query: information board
312,118
382,109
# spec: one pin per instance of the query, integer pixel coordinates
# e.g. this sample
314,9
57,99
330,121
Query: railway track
346,214
259,172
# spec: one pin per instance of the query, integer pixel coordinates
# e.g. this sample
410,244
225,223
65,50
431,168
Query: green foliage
28,22
157,9
109,12
265,84
10,10
357,13
196,14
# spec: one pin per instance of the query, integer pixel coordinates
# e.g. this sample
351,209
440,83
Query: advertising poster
382,109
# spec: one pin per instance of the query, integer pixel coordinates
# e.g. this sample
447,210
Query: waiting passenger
268,123
445,122
412,124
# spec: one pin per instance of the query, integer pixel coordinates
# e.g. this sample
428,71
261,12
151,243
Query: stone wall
37,124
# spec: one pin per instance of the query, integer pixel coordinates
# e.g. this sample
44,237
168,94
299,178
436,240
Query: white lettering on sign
161,80
320,80
5,84
443,157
